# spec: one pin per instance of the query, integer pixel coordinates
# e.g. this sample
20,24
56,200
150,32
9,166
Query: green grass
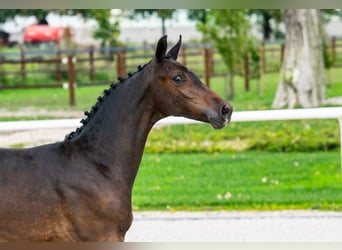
50,99
242,181
25,118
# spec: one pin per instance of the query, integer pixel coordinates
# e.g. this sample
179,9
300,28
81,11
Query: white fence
240,116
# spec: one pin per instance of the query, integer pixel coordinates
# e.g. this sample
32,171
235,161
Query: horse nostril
225,110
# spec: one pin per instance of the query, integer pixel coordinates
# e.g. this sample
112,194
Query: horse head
179,92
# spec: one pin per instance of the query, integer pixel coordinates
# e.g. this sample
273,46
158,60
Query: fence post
282,51
71,77
340,124
91,62
207,66
246,69
262,58
22,63
145,46
121,64
183,54
333,50
58,65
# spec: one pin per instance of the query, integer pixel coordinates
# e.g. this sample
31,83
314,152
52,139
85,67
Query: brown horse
80,189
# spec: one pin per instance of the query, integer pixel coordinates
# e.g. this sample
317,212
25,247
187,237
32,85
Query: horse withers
80,189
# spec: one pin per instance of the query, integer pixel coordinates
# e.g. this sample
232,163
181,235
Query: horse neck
115,136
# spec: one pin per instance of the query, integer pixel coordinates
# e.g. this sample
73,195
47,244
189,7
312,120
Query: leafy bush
284,136
296,141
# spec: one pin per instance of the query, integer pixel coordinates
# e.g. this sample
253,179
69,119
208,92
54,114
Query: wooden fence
69,68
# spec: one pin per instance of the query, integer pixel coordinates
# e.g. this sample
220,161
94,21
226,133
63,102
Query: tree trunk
230,88
302,76
163,27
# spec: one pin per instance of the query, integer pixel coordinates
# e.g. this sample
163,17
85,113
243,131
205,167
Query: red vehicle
43,33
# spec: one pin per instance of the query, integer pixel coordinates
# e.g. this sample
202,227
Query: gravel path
29,138
279,226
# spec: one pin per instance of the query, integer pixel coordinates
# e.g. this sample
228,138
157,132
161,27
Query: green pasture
245,166
239,181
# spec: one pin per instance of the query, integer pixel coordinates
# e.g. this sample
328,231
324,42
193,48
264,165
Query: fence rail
239,116
68,65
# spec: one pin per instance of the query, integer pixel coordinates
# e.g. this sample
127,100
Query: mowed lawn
239,181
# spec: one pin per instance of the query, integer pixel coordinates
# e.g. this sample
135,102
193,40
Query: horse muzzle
221,118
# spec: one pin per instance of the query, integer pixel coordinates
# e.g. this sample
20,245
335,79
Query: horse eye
177,79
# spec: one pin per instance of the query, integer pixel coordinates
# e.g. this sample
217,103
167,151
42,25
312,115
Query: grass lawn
50,99
239,181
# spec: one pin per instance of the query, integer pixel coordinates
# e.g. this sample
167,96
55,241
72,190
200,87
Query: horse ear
161,48
173,53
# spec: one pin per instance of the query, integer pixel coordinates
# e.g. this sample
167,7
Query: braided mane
94,108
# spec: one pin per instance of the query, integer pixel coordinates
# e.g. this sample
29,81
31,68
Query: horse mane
100,99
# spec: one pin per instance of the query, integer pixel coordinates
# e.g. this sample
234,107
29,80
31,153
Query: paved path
284,226
29,138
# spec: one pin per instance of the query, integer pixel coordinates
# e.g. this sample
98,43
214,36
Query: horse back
34,160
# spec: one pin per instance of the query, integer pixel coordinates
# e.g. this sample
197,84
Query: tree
163,14
106,31
198,15
228,30
264,18
40,14
302,76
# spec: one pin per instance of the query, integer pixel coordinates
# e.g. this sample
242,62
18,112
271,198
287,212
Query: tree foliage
198,15
106,31
264,17
228,30
7,14
163,14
